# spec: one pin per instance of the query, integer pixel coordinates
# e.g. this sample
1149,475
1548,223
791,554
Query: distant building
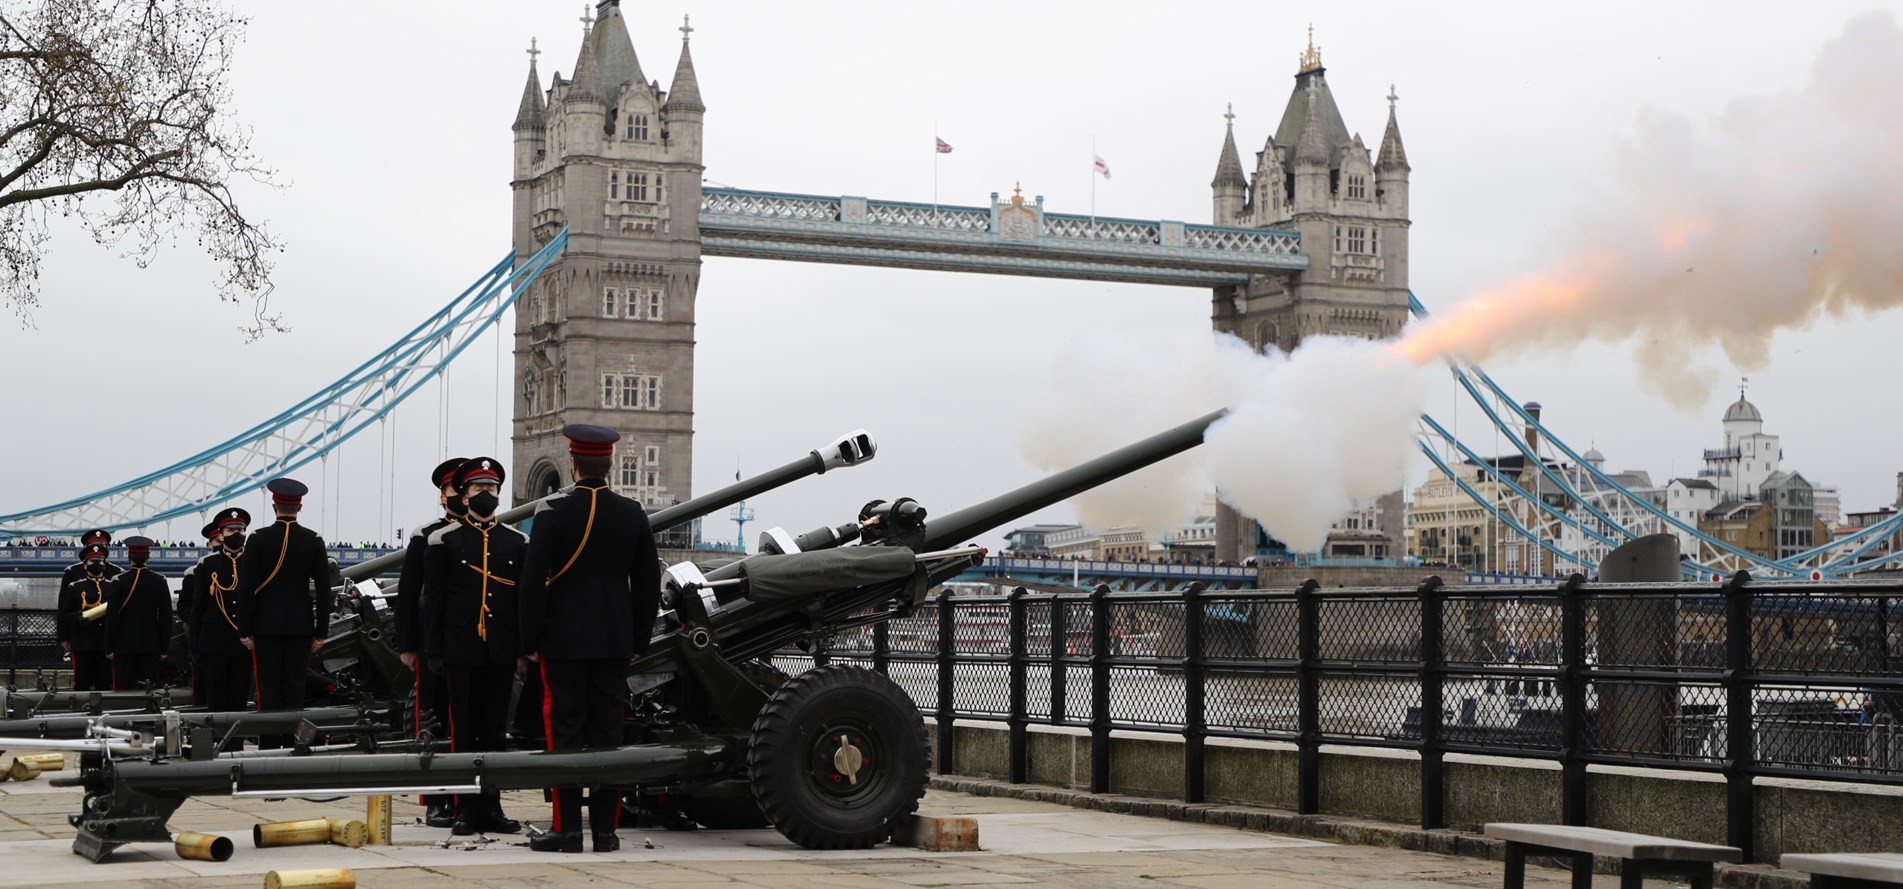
1033,539
1780,522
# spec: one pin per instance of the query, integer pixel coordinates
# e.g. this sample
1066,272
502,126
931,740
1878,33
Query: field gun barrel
244,723
22,704
851,449
957,527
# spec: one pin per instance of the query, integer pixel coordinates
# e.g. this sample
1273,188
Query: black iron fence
29,640
1744,679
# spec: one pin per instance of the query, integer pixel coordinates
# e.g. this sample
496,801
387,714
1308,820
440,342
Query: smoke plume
1772,213
1309,435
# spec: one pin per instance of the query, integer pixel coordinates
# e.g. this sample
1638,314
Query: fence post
1740,732
1308,696
1572,690
1100,689
1018,720
13,645
882,647
1433,706
1060,649
1195,726
947,640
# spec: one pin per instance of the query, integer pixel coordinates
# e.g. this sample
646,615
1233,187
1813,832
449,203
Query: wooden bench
1845,870
1639,855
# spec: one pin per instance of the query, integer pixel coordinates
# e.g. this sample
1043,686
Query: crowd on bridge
479,606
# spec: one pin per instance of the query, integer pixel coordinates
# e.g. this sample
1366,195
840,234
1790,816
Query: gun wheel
836,756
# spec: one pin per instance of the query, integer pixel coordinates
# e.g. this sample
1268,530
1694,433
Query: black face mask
455,506
483,504
95,567
235,542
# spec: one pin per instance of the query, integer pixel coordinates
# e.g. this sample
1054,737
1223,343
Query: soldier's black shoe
607,842
463,826
569,841
492,820
439,815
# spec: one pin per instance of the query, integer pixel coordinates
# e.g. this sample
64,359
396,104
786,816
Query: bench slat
1612,843
1880,867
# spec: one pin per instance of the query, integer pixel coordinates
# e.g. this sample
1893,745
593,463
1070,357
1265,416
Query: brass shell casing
23,771
333,878
376,820
94,613
203,847
349,834
291,833
48,762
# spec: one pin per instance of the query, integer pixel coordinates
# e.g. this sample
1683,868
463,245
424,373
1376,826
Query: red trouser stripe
257,688
548,733
449,704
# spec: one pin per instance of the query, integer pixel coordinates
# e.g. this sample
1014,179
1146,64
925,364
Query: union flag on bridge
944,147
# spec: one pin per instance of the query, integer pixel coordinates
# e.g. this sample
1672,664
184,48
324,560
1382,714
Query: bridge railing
1744,680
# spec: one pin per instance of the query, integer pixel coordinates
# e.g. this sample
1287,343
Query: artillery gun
831,757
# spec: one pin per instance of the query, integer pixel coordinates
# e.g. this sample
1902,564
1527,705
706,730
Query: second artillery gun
831,757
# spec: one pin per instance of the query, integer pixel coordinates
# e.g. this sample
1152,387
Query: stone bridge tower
606,335
1350,208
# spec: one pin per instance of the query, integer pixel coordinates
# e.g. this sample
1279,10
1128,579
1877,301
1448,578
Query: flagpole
935,154
1093,182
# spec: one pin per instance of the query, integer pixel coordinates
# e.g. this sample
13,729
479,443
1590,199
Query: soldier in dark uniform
138,619
438,808
83,636
469,627
284,601
221,656
187,609
589,594
77,570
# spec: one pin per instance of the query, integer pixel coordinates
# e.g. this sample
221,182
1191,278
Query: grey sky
390,124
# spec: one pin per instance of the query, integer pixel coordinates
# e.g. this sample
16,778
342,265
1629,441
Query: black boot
439,812
607,842
468,816
489,819
569,841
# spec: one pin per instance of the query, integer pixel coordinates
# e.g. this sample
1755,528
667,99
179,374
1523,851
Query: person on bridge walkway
138,620
469,628
589,593
222,656
438,809
83,637
77,570
284,602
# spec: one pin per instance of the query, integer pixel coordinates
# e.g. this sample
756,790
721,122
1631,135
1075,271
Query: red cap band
280,498
481,475
591,448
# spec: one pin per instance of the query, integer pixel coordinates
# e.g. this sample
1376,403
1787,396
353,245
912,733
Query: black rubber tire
723,812
794,780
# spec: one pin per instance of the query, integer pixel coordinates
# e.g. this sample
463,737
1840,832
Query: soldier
138,620
438,808
84,636
77,570
221,656
284,601
469,627
589,594
187,592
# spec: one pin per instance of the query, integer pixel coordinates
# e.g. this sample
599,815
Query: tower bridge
611,222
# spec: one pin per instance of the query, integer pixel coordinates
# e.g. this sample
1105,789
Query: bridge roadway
1025,843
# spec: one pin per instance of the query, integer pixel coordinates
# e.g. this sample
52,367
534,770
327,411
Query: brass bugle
203,846
94,613
23,771
48,762
334,878
349,834
291,833
376,819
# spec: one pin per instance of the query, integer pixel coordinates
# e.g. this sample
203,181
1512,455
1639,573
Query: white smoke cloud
1309,435
1767,215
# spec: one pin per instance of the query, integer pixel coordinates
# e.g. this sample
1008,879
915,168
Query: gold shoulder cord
593,494
282,549
482,615
98,591
137,572
219,590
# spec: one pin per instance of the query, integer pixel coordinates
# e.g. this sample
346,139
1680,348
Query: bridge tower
1350,209
606,335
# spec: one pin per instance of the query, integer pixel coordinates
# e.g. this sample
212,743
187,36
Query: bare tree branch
113,113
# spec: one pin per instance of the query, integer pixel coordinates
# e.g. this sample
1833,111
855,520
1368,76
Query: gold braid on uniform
219,590
593,497
97,590
133,589
482,616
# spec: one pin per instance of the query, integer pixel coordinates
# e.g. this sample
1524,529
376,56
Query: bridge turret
531,120
1229,185
682,112
1391,168
1312,188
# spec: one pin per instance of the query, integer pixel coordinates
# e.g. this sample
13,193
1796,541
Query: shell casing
48,762
23,771
333,878
203,846
376,820
94,613
291,833
349,834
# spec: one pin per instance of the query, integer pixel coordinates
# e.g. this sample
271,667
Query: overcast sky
389,124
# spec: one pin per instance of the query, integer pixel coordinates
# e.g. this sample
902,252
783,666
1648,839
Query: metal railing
1742,679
